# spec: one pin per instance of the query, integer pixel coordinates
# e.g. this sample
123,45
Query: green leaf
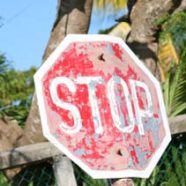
179,109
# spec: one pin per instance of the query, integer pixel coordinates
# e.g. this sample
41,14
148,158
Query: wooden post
63,171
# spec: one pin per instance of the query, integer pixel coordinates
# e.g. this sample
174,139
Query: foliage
174,88
16,89
3,180
175,25
3,65
174,70
172,40
84,179
171,170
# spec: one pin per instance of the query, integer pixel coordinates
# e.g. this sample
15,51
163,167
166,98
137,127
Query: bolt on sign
102,107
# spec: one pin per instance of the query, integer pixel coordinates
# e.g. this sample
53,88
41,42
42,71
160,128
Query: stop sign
102,107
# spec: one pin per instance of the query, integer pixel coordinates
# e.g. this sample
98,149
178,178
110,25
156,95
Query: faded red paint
112,150
117,50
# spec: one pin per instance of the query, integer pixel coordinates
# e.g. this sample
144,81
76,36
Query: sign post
102,107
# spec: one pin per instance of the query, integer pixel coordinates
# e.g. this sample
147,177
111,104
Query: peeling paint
111,149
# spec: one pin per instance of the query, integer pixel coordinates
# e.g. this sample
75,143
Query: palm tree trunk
143,36
73,16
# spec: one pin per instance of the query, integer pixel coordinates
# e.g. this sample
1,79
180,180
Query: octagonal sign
101,107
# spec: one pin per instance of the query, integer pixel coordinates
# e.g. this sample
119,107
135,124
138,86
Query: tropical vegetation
16,90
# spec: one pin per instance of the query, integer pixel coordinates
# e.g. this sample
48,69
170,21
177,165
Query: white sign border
46,131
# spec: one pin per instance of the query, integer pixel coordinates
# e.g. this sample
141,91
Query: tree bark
73,16
143,36
181,7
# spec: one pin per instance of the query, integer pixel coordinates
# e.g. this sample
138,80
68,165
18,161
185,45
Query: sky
26,24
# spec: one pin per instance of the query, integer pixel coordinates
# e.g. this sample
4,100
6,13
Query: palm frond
175,88
179,109
166,90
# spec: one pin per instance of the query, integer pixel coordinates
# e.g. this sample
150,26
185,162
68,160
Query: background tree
16,92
